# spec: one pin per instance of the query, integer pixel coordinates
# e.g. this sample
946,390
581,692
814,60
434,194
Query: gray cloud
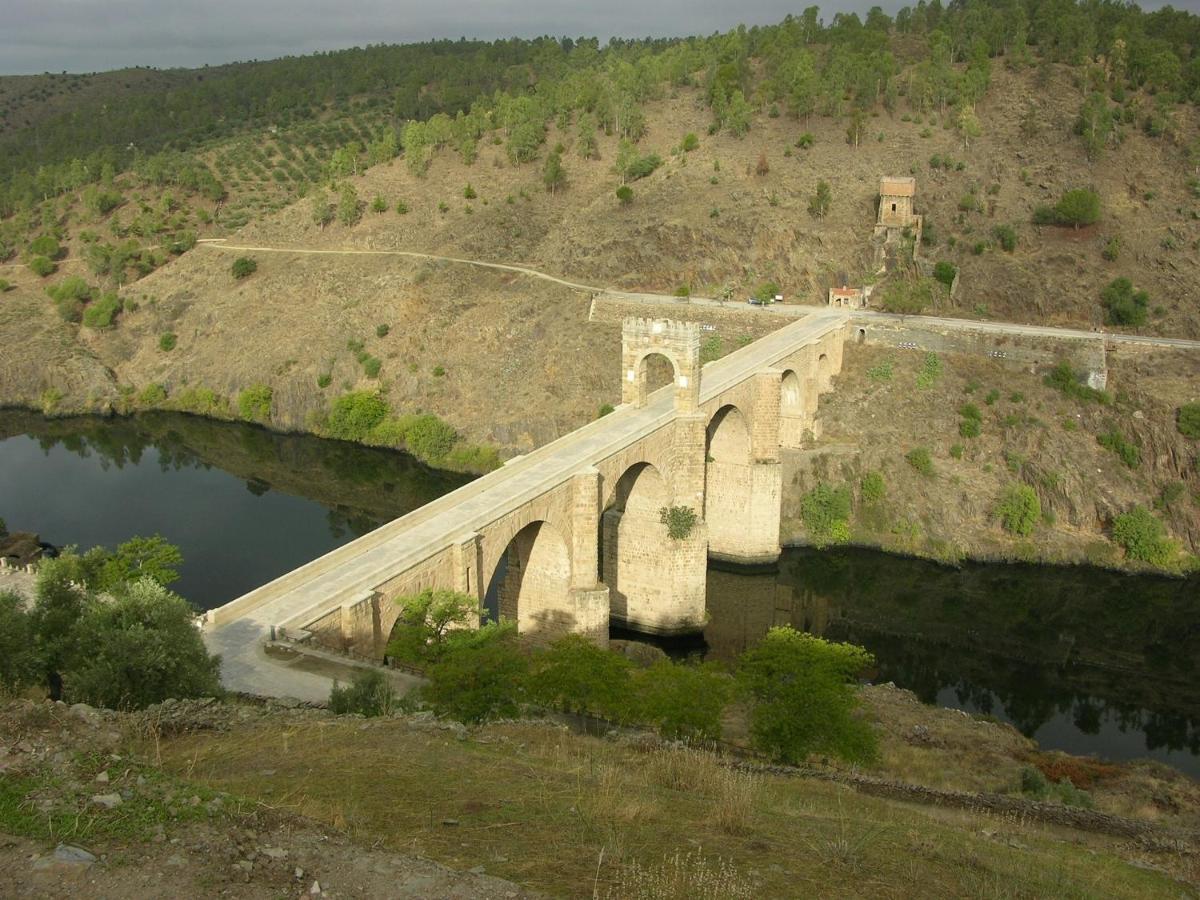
94,35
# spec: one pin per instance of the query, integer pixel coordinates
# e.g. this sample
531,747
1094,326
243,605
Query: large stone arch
728,481
531,580
634,544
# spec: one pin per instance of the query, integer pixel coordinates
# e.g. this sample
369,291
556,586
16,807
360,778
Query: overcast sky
94,35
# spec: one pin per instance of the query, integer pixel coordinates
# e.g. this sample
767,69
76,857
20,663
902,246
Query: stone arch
634,545
728,437
728,481
656,369
679,342
824,372
530,581
791,394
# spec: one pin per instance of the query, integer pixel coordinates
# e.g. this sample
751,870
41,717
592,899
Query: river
1084,660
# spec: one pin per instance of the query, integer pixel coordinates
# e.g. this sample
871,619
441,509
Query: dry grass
577,816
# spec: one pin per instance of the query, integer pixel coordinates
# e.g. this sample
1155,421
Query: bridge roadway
239,629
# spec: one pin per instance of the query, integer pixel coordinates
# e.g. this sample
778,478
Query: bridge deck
237,629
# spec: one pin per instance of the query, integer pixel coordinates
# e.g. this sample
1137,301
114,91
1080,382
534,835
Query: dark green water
1084,660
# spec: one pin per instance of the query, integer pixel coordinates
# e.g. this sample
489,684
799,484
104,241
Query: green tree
1096,125
1123,305
244,267
139,558
480,676
819,203
349,206
804,697
19,664
684,702
322,209
625,194
574,675
967,123
1078,207
1019,509
426,622
139,648
553,174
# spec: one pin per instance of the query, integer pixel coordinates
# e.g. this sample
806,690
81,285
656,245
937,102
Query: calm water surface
1081,659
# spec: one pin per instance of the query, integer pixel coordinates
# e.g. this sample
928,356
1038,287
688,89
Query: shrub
684,702
1143,537
762,167
683,291
1124,305
324,380
19,663
806,140
956,451
1112,249
382,330
379,205
1006,235
1063,378
625,194
152,395
369,694
931,371
244,267
804,697
642,166
605,409
690,142
102,312
469,192
69,296
139,648
574,675
5,285
1128,452
825,512
1019,509
873,487
945,272
1188,421
920,459
969,428
45,245
819,203
429,438
439,371
881,372
680,520
254,403
167,341
1077,207
371,366
401,207
481,675
349,209
354,415
42,266
970,411
907,297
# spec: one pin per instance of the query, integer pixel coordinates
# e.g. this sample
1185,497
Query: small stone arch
679,342
728,436
655,369
824,372
793,408
791,394
531,581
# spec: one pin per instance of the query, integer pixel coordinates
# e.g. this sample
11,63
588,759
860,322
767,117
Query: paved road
237,630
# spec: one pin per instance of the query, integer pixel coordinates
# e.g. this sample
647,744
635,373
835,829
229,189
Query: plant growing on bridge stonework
825,511
680,520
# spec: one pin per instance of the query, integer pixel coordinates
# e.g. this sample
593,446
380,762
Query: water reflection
244,504
1081,659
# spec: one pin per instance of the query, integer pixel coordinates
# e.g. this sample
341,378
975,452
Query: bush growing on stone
1019,509
825,511
1143,537
804,697
254,403
680,520
605,409
368,694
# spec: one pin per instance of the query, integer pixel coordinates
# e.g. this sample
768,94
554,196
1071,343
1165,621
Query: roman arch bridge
570,537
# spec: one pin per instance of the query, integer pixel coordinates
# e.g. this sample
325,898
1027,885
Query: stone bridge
569,538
